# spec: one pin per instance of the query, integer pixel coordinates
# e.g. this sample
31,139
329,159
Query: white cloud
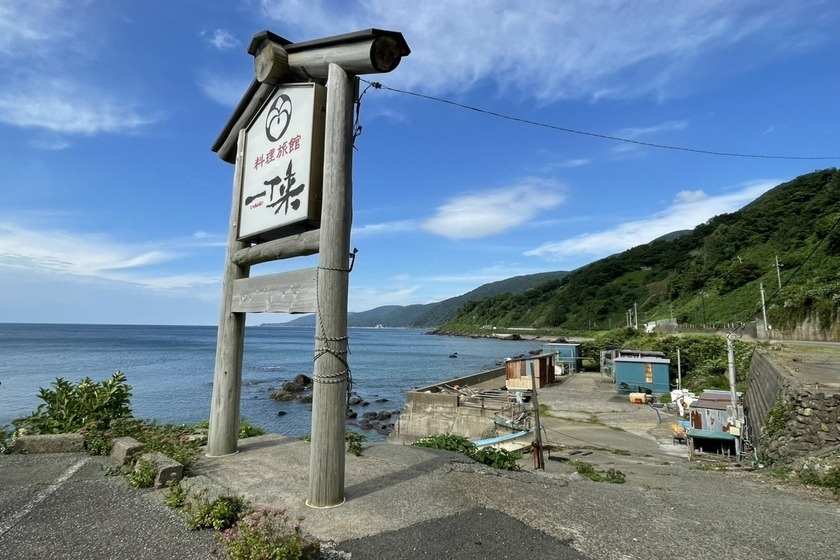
579,162
690,208
89,256
385,228
30,28
553,50
221,39
491,212
62,106
690,196
640,132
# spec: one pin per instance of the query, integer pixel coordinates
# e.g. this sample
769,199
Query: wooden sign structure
271,145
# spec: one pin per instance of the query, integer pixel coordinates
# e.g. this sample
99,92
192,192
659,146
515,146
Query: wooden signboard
284,160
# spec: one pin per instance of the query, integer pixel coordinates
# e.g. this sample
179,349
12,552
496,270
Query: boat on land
506,441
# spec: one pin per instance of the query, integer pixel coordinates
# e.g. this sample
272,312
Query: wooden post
331,372
537,425
223,436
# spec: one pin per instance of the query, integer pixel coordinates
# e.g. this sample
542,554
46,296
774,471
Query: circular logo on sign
278,118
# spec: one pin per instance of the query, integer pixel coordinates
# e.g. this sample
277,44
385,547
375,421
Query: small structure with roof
640,371
530,372
566,356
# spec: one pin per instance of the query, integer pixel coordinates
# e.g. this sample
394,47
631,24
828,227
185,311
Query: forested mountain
711,274
434,314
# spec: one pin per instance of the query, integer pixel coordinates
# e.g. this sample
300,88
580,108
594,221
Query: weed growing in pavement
246,429
220,514
176,495
780,473
269,534
144,473
353,441
585,469
830,480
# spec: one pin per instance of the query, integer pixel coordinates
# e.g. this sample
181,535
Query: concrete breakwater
429,411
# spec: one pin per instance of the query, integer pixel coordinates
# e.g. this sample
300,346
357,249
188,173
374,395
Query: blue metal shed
636,374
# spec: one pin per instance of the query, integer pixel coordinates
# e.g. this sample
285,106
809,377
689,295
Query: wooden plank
298,245
287,292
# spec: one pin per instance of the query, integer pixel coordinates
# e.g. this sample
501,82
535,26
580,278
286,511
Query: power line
379,85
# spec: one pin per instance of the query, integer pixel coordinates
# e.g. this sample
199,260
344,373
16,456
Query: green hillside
709,275
434,314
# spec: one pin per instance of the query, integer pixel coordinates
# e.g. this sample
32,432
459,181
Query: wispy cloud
57,38
579,162
221,39
490,212
609,49
88,255
67,107
637,133
385,228
689,209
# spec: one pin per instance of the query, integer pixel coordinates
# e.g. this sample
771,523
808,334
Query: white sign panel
283,161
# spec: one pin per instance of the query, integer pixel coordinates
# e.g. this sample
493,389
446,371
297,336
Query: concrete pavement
406,503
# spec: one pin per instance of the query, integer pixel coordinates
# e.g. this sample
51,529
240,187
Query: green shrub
449,442
171,440
353,441
219,514
496,458
267,534
68,407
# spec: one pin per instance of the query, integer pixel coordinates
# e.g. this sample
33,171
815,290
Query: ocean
170,368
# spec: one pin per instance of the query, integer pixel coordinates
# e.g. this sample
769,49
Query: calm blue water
170,368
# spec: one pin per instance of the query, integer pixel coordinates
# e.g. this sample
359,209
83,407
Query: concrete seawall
428,411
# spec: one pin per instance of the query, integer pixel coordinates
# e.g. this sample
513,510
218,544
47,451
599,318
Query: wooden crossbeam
287,292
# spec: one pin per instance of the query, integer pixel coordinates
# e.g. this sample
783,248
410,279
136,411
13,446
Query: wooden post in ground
537,425
227,377
331,372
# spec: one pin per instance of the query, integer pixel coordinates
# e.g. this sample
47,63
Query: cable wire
379,85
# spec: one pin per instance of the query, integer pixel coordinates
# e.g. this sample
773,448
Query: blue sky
114,209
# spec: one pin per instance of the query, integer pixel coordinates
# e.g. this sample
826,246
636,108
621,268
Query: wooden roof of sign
278,60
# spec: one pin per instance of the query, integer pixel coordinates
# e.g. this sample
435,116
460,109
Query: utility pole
764,312
703,302
778,272
636,316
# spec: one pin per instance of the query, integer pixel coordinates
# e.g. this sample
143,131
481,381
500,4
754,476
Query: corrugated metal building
518,371
643,374
715,425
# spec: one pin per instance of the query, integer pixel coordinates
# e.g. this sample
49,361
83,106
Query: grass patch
613,476
495,458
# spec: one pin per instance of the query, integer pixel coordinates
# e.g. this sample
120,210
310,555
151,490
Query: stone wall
790,421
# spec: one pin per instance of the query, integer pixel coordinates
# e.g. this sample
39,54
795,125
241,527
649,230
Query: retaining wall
790,421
